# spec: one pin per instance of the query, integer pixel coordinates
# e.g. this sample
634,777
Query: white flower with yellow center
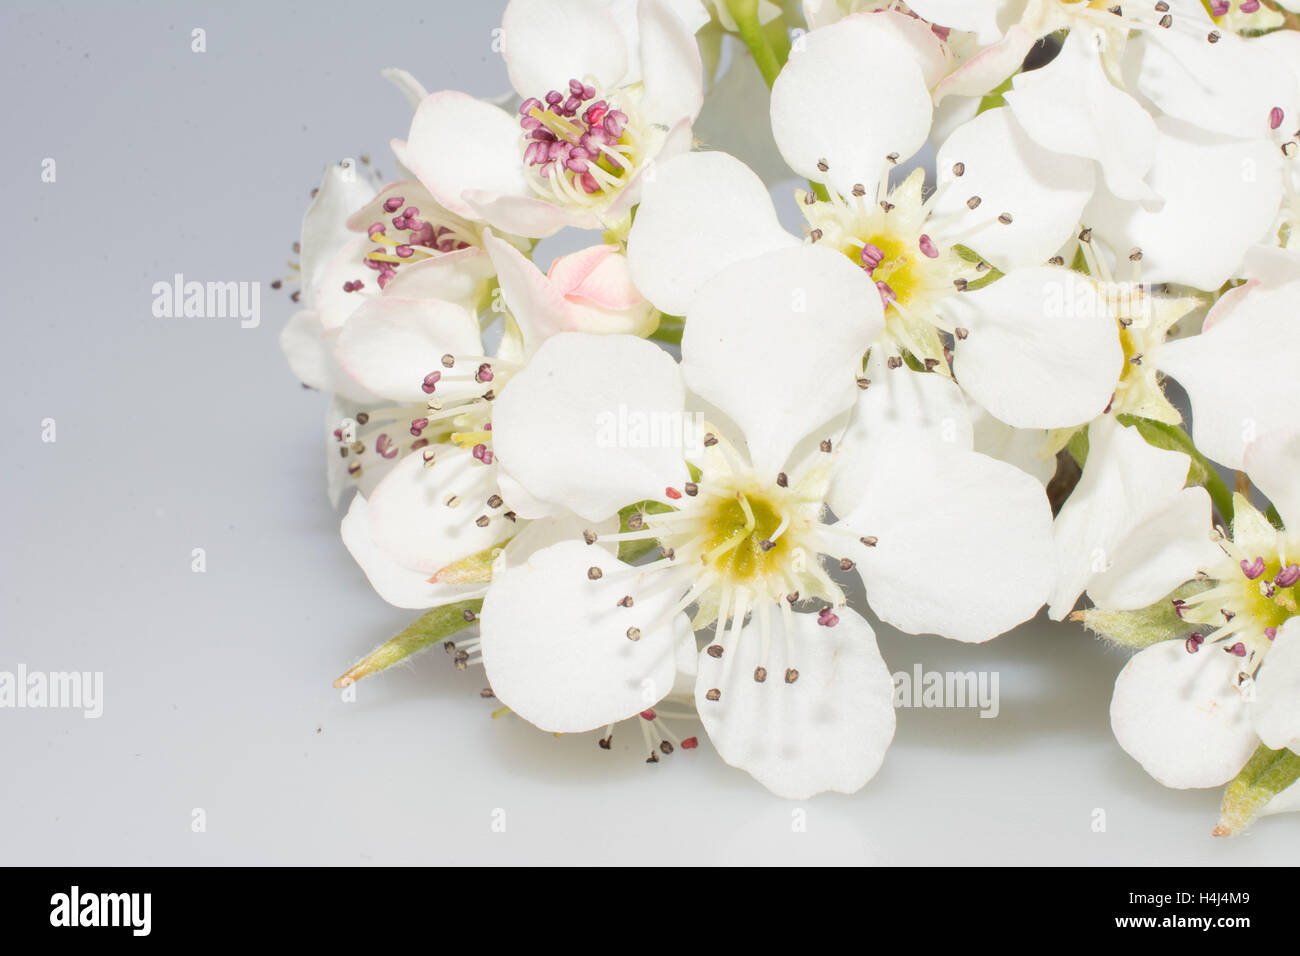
1036,348
1192,711
598,107
790,686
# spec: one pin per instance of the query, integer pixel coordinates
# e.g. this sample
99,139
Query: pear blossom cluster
934,315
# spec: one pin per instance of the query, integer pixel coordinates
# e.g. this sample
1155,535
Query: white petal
1044,193
776,343
537,307
1179,715
1070,106
566,427
987,69
1276,712
526,215
1164,551
850,97
1273,464
699,213
555,644
972,16
1241,373
546,43
964,541
412,522
828,730
1229,87
1234,186
671,70
389,345
398,585
1026,448
310,351
1124,482
458,143
457,277
324,226
898,403
1043,349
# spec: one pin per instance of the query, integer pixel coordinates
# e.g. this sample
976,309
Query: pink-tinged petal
411,522
1181,716
527,216
597,275
988,68
887,111
389,345
828,730
400,586
458,143
556,425
555,639
546,43
700,213
1273,464
458,277
671,71
344,270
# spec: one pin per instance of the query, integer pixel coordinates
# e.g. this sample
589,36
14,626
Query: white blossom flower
1193,711
792,687
438,515
1036,348
596,112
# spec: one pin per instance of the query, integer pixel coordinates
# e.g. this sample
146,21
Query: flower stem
766,56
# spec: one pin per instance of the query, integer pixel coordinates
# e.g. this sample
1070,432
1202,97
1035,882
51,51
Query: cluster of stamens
1248,599
412,240
578,146
735,546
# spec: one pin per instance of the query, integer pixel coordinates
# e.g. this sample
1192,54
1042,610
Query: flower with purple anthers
1193,709
596,112
790,685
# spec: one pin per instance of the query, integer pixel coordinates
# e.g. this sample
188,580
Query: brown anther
960,284
691,489
713,694
760,674
792,598
782,480
870,540
469,616
634,633
448,360
847,564
864,383
589,536
791,675
482,521
714,651
363,418
635,521
895,361
825,445
961,333
710,439
859,190
767,544
822,165
973,202
594,573
815,235
625,601
1005,219
959,169
931,364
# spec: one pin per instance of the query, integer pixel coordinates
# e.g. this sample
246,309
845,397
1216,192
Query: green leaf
1265,775
433,627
